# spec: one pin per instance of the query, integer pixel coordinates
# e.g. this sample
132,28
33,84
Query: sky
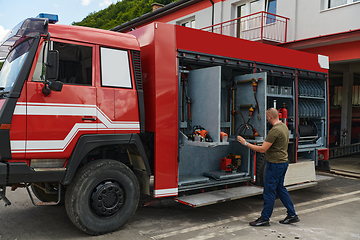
13,12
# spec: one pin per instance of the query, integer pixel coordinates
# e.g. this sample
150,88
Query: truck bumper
19,172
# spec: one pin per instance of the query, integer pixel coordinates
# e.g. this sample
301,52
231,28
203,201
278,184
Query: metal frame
259,26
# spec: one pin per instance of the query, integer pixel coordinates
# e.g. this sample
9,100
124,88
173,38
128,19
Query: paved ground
329,210
347,165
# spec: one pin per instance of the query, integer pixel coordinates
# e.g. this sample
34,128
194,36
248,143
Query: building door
240,12
249,12
256,17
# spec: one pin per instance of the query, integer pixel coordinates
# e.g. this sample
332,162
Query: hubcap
107,198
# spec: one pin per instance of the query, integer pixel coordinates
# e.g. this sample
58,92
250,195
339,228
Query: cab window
75,63
115,68
40,69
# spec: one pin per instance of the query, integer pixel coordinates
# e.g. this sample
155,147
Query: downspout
212,17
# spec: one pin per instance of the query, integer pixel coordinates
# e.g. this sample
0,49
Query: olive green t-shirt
279,137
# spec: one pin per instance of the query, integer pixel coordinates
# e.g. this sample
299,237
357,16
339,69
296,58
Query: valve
251,110
254,84
255,133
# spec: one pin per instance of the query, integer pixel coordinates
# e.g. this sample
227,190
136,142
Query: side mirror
52,72
51,85
52,65
55,86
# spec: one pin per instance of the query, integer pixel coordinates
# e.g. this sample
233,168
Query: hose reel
308,130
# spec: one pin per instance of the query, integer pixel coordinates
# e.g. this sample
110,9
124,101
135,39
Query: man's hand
258,148
241,140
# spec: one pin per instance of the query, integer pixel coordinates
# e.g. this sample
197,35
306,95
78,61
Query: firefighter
275,146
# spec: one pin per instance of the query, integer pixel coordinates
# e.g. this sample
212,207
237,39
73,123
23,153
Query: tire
102,196
260,168
43,196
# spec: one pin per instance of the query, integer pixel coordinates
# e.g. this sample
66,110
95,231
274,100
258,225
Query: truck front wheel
102,196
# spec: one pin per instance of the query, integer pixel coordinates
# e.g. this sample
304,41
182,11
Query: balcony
261,26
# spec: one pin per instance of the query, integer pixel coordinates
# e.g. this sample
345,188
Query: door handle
89,118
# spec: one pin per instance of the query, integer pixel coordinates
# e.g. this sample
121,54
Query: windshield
12,65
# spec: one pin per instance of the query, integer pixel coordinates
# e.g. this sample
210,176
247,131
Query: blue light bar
53,18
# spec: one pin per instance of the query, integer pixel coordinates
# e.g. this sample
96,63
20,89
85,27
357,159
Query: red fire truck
95,118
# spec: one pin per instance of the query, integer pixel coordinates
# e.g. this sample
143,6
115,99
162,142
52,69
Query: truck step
44,203
224,195
203,199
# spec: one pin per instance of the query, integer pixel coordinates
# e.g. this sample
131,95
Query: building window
190,22
271,8
256,6
336,3
115,68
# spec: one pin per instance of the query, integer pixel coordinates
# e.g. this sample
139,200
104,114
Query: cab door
55,122
117,97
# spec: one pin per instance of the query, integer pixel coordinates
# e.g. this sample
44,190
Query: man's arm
263,148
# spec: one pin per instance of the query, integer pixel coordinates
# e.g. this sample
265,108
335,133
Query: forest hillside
119,13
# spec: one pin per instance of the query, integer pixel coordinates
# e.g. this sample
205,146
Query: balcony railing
255,27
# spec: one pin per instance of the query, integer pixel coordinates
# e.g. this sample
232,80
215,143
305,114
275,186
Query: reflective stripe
51,109
166,192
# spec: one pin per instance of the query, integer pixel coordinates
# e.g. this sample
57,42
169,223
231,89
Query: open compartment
204,94
282,97
200,167
249,106
205,99
312,109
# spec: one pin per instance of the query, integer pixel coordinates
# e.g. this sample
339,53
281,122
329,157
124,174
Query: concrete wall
203,18
309,18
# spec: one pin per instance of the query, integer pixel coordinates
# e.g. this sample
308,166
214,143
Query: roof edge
169,8
323,40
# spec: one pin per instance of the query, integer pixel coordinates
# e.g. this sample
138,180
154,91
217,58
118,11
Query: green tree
1,63
119,13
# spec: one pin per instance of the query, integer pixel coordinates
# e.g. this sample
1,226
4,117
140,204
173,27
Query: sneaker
259,222
289,220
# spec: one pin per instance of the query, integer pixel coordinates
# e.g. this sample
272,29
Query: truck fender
88,142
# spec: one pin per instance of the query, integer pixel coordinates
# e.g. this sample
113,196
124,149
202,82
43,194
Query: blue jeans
274,185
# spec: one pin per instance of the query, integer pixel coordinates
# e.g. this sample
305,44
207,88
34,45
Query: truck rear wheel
102,196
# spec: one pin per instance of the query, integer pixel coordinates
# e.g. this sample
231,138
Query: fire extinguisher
284,114
280,115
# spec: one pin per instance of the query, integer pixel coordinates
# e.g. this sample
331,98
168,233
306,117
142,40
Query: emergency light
53,18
